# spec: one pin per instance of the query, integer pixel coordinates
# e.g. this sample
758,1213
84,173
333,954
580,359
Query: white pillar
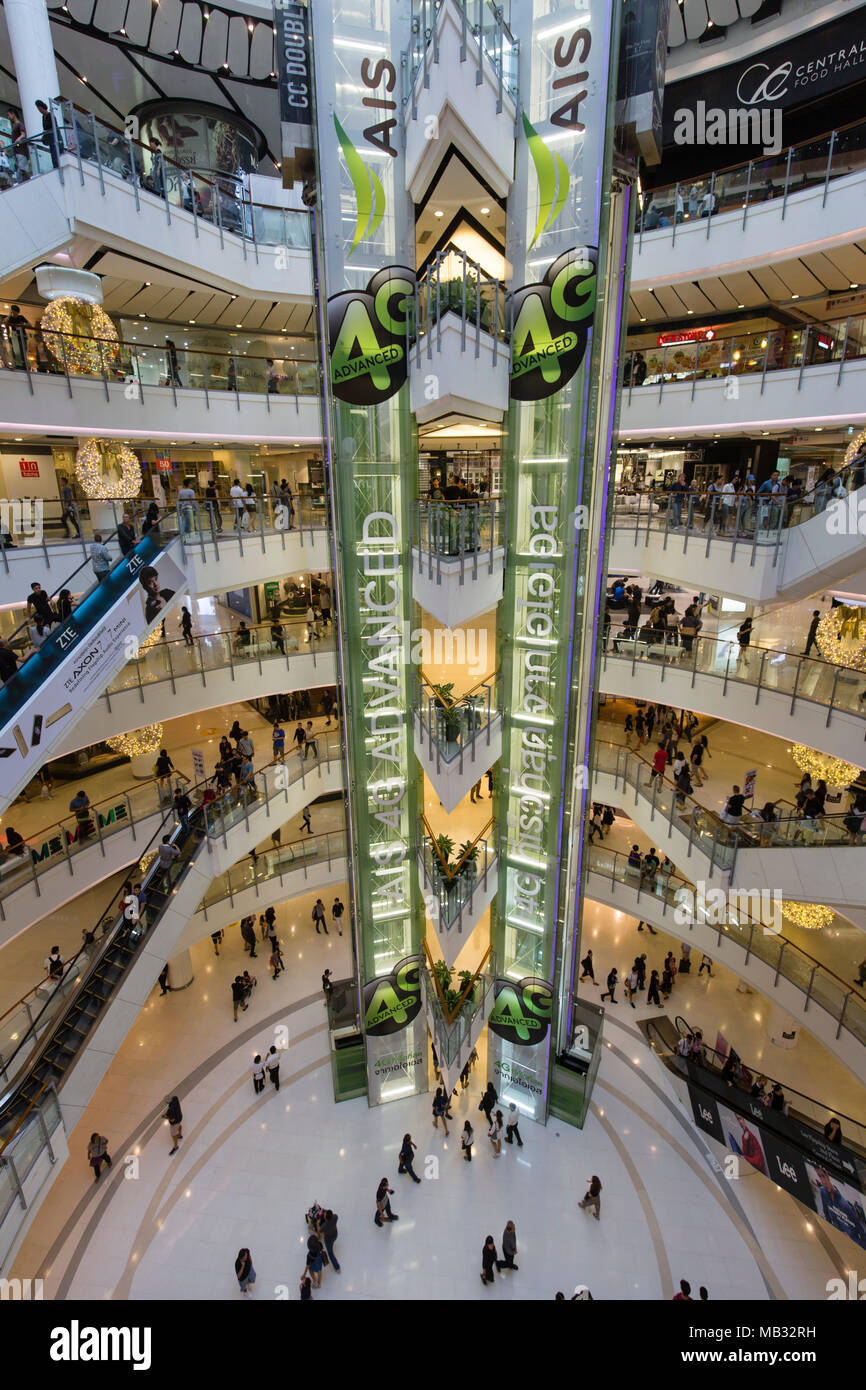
33,58
180,971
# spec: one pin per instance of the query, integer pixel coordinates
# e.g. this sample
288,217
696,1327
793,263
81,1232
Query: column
180,972
33,57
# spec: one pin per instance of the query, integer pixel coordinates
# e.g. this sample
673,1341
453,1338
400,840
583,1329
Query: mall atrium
433,565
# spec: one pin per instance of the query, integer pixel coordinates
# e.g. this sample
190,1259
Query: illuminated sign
368,337
29,468
392,1001
551,325
686,335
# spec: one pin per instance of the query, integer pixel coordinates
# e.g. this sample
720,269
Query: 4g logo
392,1001
551,325
521,1012
367,331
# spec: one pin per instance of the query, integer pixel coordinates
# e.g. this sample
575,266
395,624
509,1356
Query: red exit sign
29,468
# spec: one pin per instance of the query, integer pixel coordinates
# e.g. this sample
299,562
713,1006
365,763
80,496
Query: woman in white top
39,633
494,1134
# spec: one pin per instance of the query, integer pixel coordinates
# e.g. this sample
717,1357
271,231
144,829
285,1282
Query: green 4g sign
551,325
522,1011
392,1001
369,333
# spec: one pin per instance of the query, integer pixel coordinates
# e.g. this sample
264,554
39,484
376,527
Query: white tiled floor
250,1166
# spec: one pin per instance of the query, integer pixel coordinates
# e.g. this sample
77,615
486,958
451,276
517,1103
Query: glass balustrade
274,865
808,678
467,529
453,724
451,888
271,782
745,186
452,1037
748,934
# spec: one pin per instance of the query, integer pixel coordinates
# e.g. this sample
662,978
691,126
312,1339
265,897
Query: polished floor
169,1227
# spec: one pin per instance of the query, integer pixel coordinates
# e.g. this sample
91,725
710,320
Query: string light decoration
107,469
809,916
841,636
80,337
854,448
834,771
138,742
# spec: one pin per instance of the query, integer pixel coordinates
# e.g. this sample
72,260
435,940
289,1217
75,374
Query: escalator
42,701
44,1056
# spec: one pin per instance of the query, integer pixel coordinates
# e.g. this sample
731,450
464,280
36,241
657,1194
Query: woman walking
315,1260
244,1271
494,1134
509,1246
407,1150
174,1115
97,1154
466,1142
592,1200
652,996
440,1106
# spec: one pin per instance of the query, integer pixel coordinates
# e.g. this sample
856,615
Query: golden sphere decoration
138,742
841,636
809,916
80,337
106,468
834,771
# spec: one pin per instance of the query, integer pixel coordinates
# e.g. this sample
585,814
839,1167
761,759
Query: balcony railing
667,892
810,164
469,531
716,838
748,520
457,727
271,783
451,1028
30,1142
451,888
804,678
138,370
484,38
224,201
452,283
756,354
274,866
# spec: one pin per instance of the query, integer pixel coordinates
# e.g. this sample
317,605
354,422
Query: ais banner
369,335
82,656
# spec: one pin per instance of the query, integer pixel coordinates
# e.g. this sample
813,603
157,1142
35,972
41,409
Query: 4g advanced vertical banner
556,235
365,254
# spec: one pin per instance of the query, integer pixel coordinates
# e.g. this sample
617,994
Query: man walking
813,631
100,558
310,741
305,820
319,916
337,911
586,968
611,986
329,1235
238,996
383,1205
512,1131
272,1062
258,1071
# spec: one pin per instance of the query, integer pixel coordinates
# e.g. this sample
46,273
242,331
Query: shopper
329,1236
488,1101
660,762
652,996
407,1149
383,1204
174,1115
237,996
97,1154
592,1200
306,824
100,558
685,1293
163,980
509,1246
248,933
272,1064
630,986
466,1142
611,987
337,910
257,1069
706,964
319,916
489,1261
512,1131
315,1261
587,971
733,812
440,1107
494,1134
310,743
812,635
246,1275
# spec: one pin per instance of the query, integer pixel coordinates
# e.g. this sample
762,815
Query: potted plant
465,978
468,855
443,974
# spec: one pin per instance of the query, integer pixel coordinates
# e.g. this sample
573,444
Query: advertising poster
81,657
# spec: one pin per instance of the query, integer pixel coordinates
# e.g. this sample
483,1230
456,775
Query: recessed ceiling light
853,287
19,439
438,213
643,320
192,320
795,296
690,311
141,316
237,325
741,306
819,429
485,212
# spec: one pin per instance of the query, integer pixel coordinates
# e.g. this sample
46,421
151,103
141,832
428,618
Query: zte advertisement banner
82,655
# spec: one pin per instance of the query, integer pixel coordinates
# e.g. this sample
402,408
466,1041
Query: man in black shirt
733,811
39,603
49,138
126,534
813,629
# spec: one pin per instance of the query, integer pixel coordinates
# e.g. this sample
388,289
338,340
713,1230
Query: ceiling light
238,325
741,306
643,320
690,311
853,287
192,320
485,212
438,213
141,316
795,296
